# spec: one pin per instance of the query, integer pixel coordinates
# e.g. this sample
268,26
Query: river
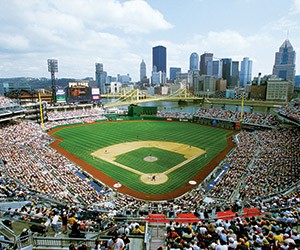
174,106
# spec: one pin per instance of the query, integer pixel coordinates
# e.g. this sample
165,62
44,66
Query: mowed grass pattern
135,160
81,141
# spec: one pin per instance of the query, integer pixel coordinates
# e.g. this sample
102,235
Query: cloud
283,24
138,16
228,40
295,9
13,43
80,33
134,16
76,32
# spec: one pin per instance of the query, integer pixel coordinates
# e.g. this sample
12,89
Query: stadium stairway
157,237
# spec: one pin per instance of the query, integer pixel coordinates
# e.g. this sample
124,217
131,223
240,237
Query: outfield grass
81,141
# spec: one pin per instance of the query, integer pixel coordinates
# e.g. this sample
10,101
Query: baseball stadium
83,175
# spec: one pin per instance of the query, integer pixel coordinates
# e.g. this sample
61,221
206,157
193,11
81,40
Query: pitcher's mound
150,159
154,178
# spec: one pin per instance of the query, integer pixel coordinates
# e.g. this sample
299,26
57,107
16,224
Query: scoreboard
78,92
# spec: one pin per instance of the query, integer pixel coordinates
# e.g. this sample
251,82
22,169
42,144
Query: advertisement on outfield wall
95,94
60,95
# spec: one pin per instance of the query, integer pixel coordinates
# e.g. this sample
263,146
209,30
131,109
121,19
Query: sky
119,34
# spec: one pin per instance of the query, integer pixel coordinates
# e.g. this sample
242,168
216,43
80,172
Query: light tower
52,68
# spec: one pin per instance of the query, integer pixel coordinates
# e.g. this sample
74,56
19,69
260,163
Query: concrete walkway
157,238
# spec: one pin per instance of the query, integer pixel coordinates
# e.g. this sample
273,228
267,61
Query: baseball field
150,160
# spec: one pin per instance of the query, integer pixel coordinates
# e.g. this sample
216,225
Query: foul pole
242,110
41,112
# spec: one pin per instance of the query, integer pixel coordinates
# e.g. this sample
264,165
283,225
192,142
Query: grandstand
254,190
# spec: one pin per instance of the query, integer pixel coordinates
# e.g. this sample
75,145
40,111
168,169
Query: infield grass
135,160
81,141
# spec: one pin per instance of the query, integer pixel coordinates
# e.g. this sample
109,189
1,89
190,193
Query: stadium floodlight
52,68
52,65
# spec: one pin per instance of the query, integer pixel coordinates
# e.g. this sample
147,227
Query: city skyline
120,34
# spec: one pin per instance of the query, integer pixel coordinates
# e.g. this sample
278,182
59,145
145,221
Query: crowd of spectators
238,162
4,101
71,114
232,115
7,106
277,165
171,114
263,164
57,118
238,233
291,110
32,163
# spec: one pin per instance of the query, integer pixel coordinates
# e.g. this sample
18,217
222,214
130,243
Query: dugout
134,110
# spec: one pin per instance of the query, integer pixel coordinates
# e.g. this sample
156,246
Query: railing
8,233
13,241
60,243
52,242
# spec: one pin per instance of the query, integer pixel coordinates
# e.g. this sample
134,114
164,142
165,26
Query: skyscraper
227,70
206,64
217,69
297,82
284,66
235,74
159,58
143,71
173,71
246,71
194,61
100,77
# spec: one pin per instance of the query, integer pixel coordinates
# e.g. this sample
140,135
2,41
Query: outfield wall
220,123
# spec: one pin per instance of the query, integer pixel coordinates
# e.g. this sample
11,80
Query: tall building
205,86
227,70
297,82
217,69
158,78
246,71
279,90
284,66
123,78
100,77
235,74
206,64
159,58
143,71
173,71
194,61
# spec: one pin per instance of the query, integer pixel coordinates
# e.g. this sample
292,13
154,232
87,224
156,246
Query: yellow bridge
137,96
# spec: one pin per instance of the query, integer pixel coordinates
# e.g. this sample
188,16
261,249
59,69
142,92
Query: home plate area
154,178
